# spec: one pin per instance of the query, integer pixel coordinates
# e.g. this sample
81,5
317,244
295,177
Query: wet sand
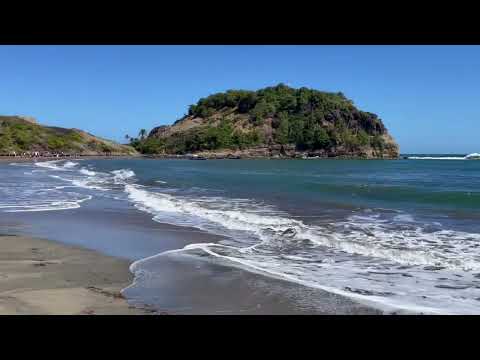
187,285
44,277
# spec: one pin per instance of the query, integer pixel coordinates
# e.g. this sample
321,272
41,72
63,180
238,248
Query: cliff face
277,121
23,134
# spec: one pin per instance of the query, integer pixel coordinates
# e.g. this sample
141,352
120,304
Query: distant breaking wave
473,156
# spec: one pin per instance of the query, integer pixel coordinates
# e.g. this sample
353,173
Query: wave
87,172
473,156
53,205
53,165
389,266
121,175
19,164
370,238
69,165
82,183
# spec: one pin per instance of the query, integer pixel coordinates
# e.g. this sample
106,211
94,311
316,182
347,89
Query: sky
427,96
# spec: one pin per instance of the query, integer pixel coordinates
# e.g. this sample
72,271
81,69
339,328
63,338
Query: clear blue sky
427,96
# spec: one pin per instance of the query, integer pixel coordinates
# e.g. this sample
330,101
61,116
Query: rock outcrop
274,122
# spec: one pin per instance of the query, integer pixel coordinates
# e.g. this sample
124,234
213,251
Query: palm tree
142,134
127,137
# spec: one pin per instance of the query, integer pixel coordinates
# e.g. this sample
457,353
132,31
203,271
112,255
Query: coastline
255,157
214,156
27,159
180,288
20,158
43,277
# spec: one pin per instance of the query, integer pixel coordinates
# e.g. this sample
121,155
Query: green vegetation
206,138
237,119
18,135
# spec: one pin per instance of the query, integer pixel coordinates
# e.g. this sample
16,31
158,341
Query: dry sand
44,277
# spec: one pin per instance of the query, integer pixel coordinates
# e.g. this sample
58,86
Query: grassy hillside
303,119
21,135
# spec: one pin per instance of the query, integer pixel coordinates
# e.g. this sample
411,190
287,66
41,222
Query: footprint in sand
43,263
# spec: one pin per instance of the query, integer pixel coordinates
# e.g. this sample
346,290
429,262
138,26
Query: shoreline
198,157
219,289
219,157
46,277
43,277
29,159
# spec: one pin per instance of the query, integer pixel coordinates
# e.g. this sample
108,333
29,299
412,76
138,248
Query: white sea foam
49,164
69,165
19,164
436,158
121,175
473,156
359,235
53,205
82,183
87,172
54,165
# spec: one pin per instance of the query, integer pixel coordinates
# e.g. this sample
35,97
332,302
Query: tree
142,133
262,110
295,131
322,140
281,135
363,138
247,102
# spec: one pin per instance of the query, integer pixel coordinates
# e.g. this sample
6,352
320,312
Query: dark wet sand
188,285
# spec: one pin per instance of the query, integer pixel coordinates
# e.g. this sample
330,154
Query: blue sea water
395,234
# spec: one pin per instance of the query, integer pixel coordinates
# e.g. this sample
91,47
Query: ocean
397,235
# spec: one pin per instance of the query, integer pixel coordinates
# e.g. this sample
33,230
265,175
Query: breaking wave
473,156
121,175
54,165
363,236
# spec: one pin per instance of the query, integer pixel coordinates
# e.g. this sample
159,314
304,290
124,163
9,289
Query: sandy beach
44,277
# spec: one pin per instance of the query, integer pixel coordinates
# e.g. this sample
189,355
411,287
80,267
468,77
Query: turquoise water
401,234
